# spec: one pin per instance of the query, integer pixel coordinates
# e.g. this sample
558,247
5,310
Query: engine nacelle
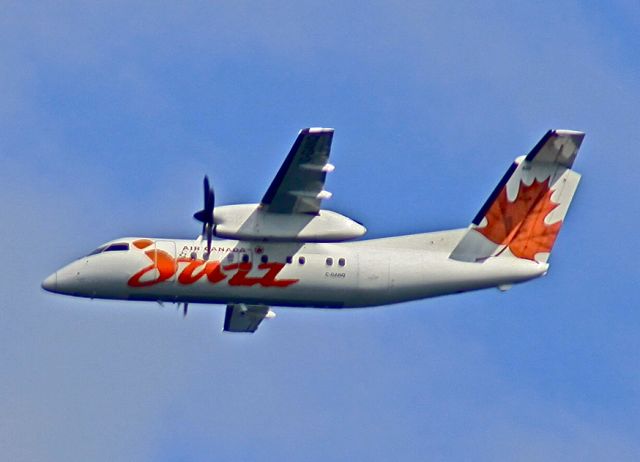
250,222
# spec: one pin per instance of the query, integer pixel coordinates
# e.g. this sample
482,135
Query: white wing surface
245,318
299,184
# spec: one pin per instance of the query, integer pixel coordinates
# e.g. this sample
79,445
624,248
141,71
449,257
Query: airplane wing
245,318
299,184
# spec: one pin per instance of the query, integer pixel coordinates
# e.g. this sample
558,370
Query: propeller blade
209,237
209,196
206,214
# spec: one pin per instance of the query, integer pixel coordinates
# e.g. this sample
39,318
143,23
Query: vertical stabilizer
524,214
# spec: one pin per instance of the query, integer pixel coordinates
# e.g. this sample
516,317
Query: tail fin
523,215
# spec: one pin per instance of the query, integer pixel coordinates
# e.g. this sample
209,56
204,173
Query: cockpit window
98,250
110,248
117,247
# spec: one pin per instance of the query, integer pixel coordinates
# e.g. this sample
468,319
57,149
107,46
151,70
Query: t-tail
524,214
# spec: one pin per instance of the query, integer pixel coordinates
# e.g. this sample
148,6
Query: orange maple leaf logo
520,224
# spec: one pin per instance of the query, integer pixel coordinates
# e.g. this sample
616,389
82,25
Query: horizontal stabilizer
558,147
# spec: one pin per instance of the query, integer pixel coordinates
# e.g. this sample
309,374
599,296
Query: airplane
287,251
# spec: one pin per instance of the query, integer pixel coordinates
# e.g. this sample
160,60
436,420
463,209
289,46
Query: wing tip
562,132
317,130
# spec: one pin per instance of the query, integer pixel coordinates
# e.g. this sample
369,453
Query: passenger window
342,262
301,260
329,261
289,259
245,258
264,258
230,258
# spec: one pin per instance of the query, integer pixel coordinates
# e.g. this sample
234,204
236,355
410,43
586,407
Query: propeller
185,308
205,216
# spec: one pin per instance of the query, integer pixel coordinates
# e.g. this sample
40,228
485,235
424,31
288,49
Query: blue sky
111,114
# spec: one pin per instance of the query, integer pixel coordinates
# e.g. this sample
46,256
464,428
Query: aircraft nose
51,282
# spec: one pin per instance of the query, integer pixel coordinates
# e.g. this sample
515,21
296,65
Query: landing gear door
165,256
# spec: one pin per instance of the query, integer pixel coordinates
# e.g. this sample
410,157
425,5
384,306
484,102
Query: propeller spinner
205,216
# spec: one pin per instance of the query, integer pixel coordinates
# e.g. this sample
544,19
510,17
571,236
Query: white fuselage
324,275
